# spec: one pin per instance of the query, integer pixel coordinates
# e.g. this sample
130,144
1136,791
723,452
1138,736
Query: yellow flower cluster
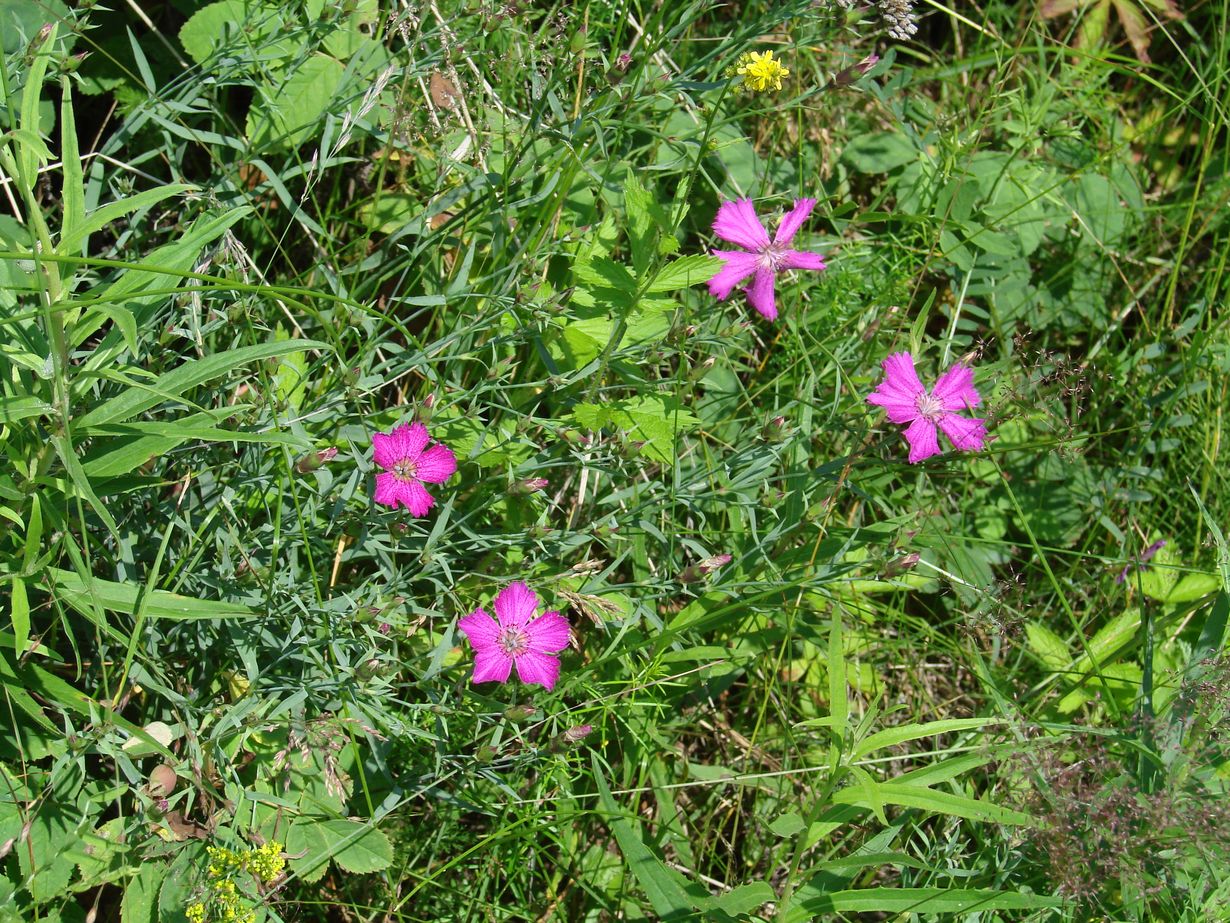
760,72
223,901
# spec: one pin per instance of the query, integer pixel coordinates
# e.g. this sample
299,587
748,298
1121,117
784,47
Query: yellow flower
760,72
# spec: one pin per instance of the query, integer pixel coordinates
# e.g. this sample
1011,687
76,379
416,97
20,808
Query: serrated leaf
601,272
657,421
141,893
249,24
308,846
283,115
357,846
685,271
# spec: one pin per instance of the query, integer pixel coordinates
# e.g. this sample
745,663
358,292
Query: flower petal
436,465
404,442
793,220
542,669
492,666
481,629
737,222
801,259
391,490
549,632
760,293
516,604
967,434
899,375
955,389
418,501
923,439
739,266
899,409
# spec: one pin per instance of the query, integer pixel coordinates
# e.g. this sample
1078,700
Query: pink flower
515,636
902,395
737,222
407,467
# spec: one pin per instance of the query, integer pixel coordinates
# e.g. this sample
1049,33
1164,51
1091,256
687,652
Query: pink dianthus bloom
737,222
515,636
902,395
407,467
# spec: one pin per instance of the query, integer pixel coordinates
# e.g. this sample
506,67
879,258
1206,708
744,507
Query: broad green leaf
656,420
309,848
641,230
122,597
1123,680
787,824
44,855
897,735
141,893
879,153
357,846
601,272
173,384
744,899
1110,639
1047,646
284,115
250,24
1192,587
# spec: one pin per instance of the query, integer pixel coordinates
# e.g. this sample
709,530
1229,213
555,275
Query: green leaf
19,610
1110,639
601,272
667,890
122,597
927,799
641,230
284,115
1047,646
683,272
307,843
141,893
76,234
787,824
249,24
744,899
879,153
44,856
898,735
657,421
1192,587
171,385
357,846
13,409
925,900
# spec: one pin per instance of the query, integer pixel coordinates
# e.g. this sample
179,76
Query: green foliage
806,678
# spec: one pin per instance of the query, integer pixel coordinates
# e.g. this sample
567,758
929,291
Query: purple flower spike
923,413
761,257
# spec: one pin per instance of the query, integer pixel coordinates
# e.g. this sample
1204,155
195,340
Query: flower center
929,408
513,641
772,255
404,470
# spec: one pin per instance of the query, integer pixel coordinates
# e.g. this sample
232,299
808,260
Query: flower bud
775,430
314,460
694,572
571,737
846,76
900,565
485,753
520,713
528,485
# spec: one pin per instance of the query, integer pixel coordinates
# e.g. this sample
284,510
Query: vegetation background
237,235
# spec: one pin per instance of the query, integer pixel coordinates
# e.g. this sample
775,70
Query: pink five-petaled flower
515,636
902,395
737,222
407,467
